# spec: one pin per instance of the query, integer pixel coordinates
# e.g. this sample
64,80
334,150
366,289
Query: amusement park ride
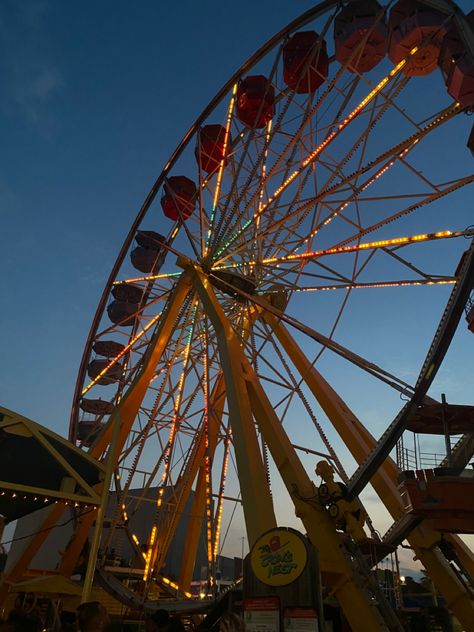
307,179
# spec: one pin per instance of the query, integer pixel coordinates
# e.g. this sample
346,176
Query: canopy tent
38,468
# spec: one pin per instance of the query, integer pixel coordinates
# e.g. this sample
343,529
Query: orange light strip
151,277
220,501
174,424
375,177
264,172
264,168
226,140
149,552
121,354
413,140
175,586
221,166
314,154
359,286
383,243
207,463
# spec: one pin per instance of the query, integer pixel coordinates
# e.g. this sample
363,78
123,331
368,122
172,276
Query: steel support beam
360,443
126,411
246,394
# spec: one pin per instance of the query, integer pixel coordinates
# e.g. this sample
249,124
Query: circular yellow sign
278,557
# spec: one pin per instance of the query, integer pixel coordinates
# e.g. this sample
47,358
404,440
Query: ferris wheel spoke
275,130
462,182
339,349
428,199
397,151
298,137
233,193
295,199
389,244
380,284
297,391
376,115
329,138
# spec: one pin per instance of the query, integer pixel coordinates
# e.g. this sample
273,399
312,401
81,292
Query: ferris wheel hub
232,284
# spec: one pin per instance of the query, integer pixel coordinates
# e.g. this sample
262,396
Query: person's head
157,621
21,621
92,616
175,625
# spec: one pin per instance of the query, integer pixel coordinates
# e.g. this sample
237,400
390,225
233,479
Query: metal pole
99,521
447,438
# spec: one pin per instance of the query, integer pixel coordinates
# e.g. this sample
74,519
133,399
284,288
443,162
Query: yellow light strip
264,167
221,166
207,463
377,175
220,501
121,354
149,552
169,446
264,172
383,243
226,140
151,277
175,586
360,286
363,246
413,140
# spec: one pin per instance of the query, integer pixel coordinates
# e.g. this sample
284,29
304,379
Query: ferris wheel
280,259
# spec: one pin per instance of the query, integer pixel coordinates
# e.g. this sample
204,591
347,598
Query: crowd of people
91,616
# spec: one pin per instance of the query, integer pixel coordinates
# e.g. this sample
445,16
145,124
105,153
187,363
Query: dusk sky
95,97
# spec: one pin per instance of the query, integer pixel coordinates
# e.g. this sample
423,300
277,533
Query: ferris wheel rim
169,166
301,20
306,17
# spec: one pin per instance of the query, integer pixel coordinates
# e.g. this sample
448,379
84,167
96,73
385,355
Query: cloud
34,88
31,75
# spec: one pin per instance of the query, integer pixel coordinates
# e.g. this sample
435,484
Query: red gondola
97,406
414,24
148,256
305,62
122,313
360,34
107,348
127,292
147,261
149,239
211,149
255,101
456,65
112,375
460,81
453,46
179,199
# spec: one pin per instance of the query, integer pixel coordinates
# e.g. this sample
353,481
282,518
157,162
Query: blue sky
95,97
